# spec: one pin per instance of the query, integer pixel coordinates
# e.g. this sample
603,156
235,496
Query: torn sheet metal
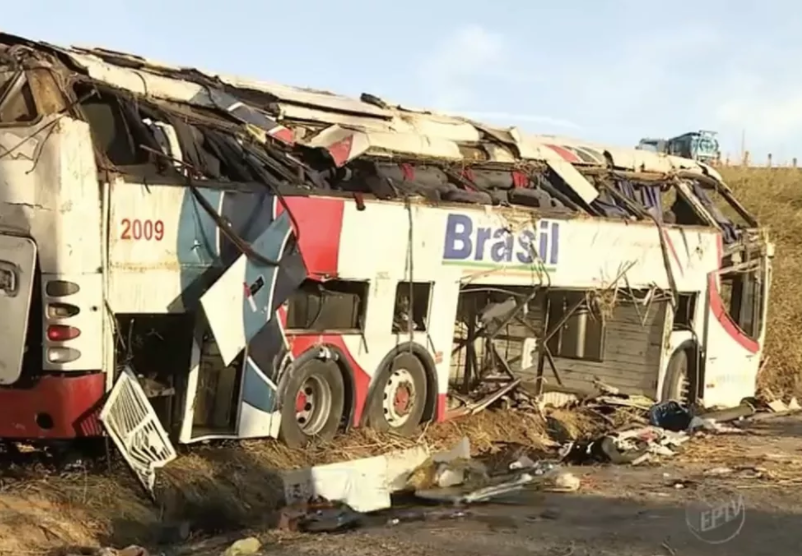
176,90
245,298
467,495
363,484
342,144
135,429
422,133
308,97
576,181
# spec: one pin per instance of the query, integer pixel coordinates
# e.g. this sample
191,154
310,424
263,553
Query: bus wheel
312,403
677,382
399,397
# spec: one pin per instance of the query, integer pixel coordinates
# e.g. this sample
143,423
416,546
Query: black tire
677,384
377,413
326,380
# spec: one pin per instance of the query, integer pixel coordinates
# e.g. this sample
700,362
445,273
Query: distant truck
701,146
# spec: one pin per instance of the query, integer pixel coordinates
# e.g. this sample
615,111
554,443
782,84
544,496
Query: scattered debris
711,425
416,514
670,415
777,406
132,550
363,484
329,520
244,547
464,494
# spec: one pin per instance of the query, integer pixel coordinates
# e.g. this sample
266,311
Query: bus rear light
62,355
62,332
61,310
61,288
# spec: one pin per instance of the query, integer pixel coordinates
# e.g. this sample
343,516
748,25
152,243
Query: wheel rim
399,397
683,387
313,405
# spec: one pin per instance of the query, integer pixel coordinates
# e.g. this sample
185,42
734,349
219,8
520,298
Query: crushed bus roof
437,156
386,129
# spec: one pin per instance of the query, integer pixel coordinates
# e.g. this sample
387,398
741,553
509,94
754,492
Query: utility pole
743,146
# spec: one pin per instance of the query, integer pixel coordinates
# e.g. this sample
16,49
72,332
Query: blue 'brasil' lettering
466,243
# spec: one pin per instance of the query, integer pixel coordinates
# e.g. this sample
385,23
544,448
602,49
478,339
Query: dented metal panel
442,127
576,181
341,143
245,298
383,144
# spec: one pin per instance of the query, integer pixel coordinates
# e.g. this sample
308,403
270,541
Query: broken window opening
143,342
730,216
682,211
17,105
742,294
583,333
218,390
112,131
685,310
334,306
412,299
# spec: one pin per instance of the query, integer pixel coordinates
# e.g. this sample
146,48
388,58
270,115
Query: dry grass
215,488
774,195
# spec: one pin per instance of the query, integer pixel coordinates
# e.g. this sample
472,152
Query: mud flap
132,424
17,268
245,298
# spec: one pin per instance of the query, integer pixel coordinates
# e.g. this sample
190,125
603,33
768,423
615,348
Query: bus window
16,101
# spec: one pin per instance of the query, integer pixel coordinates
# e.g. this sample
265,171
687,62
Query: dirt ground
627,510
619,510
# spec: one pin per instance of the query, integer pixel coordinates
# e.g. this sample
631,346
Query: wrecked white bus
195,256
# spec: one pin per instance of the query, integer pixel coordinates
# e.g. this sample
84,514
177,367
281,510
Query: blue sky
611,71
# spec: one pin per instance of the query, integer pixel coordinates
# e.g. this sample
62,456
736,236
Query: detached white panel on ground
364,484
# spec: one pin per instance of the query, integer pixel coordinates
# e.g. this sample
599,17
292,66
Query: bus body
195,256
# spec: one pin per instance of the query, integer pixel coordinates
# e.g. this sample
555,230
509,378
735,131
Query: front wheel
399,397
312,403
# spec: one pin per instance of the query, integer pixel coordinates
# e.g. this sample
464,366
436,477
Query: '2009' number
142,229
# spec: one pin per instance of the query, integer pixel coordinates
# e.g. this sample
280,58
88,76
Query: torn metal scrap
418,514
457,479
328,520
474,407
632,446
466,495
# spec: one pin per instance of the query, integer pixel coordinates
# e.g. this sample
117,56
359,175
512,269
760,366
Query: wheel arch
432,384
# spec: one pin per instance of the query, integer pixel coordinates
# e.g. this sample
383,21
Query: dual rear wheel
314,400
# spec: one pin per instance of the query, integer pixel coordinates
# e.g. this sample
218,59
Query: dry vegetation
774,195
215,488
